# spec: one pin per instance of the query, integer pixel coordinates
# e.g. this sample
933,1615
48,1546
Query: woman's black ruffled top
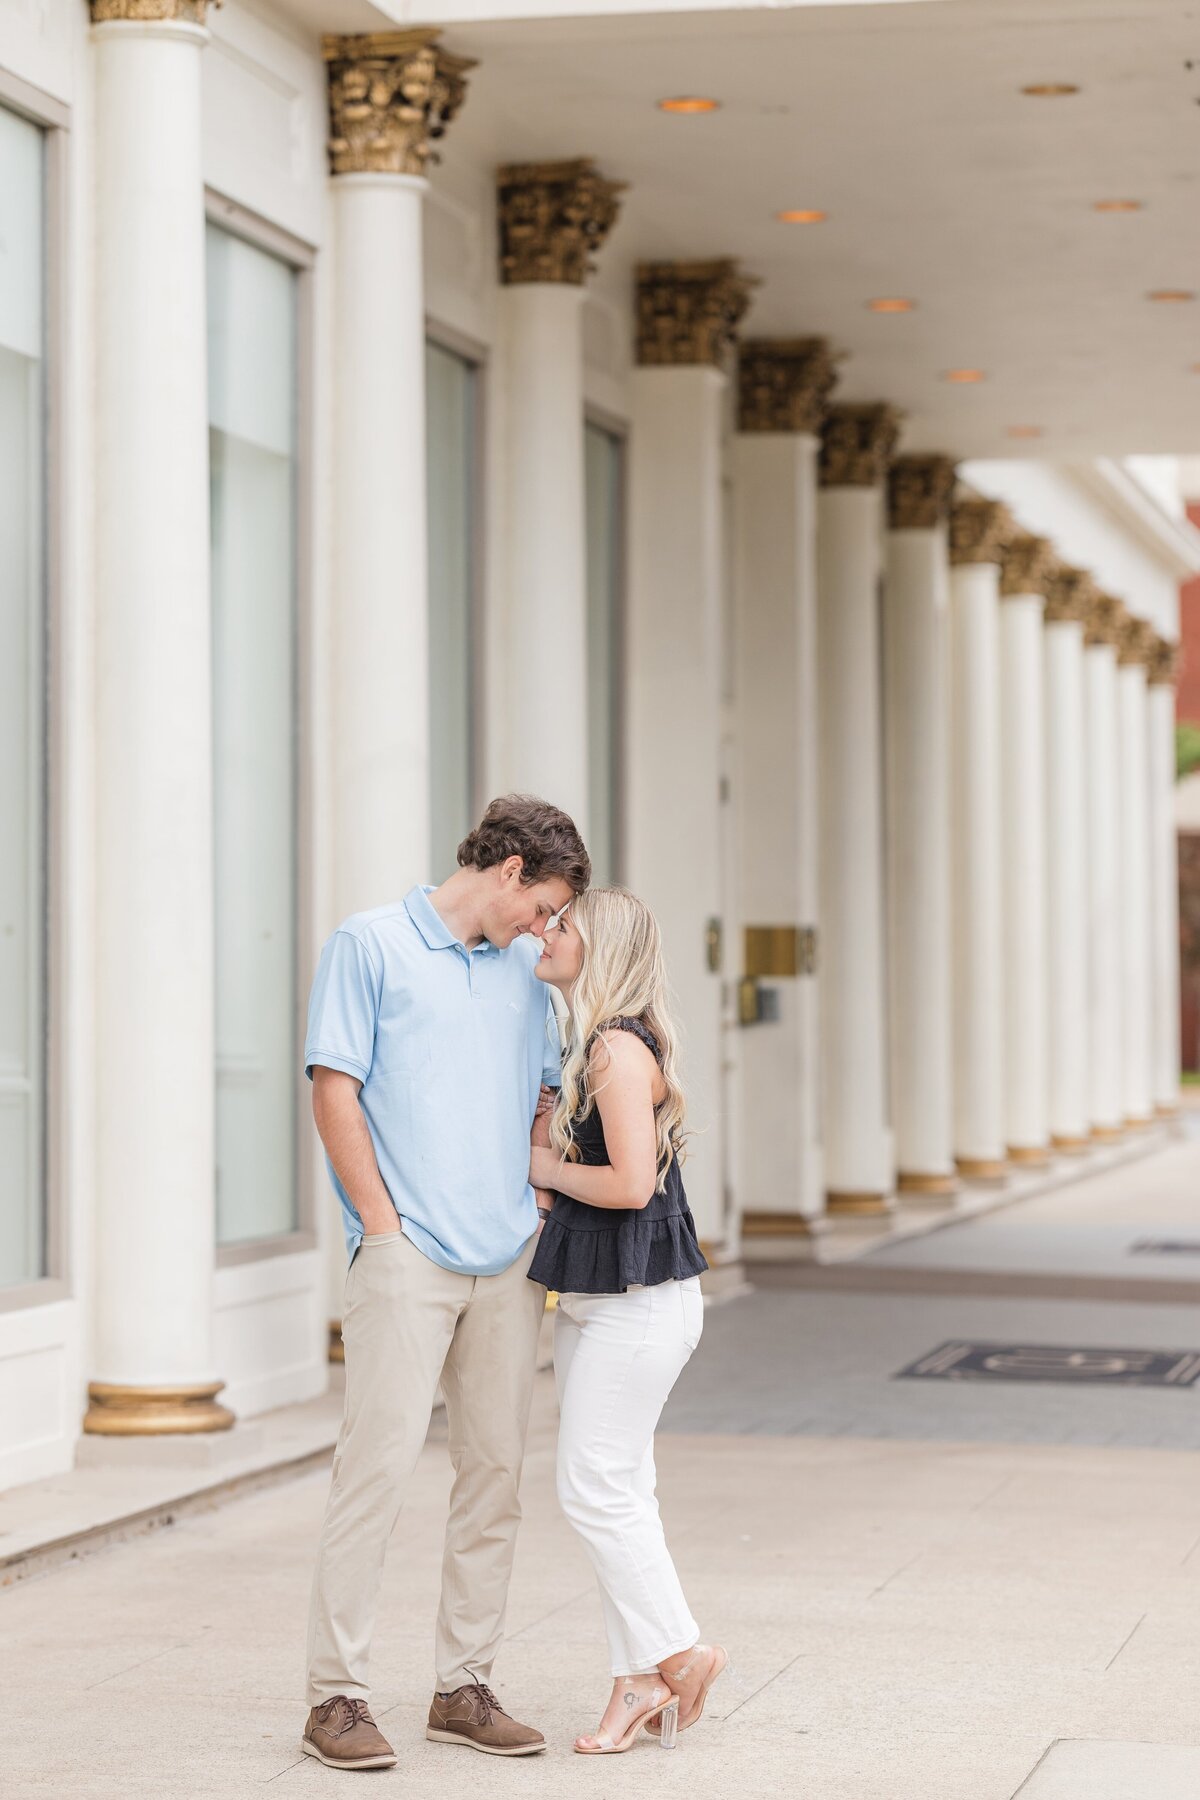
604,1250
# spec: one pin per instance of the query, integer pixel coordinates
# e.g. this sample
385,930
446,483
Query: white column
553,217
917,764
1135,848
1066,869
686,317
978,529
859,1163
1164,854
541,329
673,696
386,92
782,392
154,1239
1024,568
379,608
1105,1080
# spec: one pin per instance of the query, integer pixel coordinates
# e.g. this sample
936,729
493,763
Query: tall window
602,487
252,447
22,702
451,384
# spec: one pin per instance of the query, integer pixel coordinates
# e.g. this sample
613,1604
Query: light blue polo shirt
451,1047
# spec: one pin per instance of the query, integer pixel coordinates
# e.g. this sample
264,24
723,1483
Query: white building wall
265,127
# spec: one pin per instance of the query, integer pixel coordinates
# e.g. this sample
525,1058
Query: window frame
470,350
53,118
618,429
241,222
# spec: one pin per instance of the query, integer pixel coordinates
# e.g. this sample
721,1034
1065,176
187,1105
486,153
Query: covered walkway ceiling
943,183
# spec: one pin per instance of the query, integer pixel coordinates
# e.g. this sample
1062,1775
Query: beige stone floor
908,1621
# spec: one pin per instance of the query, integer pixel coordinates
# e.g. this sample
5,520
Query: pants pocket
692,1302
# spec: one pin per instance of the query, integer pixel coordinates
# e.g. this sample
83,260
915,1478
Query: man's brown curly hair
540,834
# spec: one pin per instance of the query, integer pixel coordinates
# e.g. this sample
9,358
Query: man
429,1040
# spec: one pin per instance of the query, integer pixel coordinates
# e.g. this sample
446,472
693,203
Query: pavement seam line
1125,1642
1037,1765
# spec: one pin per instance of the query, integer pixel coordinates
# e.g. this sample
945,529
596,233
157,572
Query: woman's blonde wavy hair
622,976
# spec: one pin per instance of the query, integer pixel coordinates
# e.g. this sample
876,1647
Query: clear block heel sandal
662,1712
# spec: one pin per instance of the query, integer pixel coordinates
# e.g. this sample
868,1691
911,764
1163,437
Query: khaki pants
409,1324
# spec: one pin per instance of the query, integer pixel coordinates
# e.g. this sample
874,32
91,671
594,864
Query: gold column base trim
1139,1121
1030,1156
769,1224
115,1410
1108,1134
1070,1146
981,1168
1167,1112
857,1204
337,1350
911,1183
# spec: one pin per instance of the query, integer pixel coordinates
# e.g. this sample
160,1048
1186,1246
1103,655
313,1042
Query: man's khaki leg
401,1312
488,1385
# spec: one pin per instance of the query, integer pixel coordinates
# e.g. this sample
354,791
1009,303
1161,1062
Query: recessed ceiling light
1117,206
891,306
802,216
963,377
1023,431
1171,296
688,103
1050,90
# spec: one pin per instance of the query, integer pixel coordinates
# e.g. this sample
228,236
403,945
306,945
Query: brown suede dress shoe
472,1715
342,1733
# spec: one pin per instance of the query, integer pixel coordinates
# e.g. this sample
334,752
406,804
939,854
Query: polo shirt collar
428,921
432,927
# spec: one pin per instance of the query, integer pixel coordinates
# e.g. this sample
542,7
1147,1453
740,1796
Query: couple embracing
478,1164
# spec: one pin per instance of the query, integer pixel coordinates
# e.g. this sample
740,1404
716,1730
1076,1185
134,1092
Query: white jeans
616,1358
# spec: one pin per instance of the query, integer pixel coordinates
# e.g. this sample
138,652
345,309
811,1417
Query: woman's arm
623,1073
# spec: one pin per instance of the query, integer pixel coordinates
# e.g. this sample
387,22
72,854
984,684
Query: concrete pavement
931,1591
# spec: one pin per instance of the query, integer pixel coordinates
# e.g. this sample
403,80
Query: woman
619,1247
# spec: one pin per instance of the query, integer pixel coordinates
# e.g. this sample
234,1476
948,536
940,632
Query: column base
911,1181
337,1350
1068,1145
1139,1121
858,1205
115,1410
772,1225
1171,1111
1029,1156
1107,1134
991,1170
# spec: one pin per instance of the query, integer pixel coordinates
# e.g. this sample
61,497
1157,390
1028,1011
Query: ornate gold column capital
688,312
857,444
979,531
553,218
784,384
1136,643
151,12
391,94
1163,668
1028,565
920,490
1070,594
1104,620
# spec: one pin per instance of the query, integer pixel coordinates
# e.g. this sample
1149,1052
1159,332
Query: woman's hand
544,1165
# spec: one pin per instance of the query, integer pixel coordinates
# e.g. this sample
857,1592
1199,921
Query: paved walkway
933,1590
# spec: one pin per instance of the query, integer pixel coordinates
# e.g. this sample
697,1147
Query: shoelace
489,1702
352,1712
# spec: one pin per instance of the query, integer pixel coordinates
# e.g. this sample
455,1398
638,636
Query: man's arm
347,1140
539,1137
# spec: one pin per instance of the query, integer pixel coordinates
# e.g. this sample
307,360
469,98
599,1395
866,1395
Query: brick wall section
1187,696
